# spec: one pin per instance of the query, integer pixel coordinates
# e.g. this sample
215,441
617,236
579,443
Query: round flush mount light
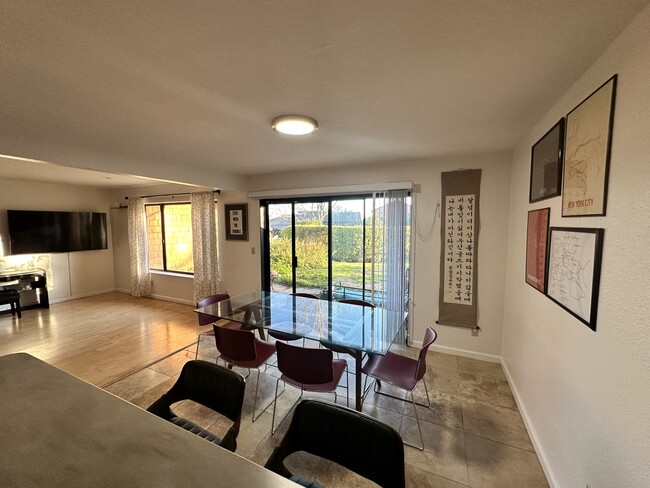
294,125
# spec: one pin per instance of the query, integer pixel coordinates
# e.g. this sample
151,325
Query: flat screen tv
33,232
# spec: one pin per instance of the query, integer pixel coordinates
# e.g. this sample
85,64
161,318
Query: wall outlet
253,251
475,332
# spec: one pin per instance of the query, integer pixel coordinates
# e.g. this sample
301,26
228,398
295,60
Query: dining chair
342,349
205,319
352,439
214,387
238,347
287,336
309,369
403,372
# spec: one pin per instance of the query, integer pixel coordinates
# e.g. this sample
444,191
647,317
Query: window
169,236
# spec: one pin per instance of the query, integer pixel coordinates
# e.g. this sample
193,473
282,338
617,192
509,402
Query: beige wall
75,274
586,395
240,268
495,188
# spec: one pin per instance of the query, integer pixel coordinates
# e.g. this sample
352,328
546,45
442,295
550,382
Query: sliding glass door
296,257
339,247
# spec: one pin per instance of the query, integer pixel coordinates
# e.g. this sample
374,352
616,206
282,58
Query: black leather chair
352,439
212,386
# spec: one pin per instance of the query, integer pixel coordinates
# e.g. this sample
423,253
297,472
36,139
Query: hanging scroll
459,241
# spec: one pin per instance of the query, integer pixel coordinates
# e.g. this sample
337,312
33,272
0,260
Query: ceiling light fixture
294,125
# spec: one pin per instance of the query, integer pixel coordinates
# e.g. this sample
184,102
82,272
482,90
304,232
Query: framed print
237,222
574,271
546,164
587,152
536,246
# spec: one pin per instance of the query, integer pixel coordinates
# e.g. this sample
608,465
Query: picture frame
587,151
546,164
574,263
537,247
236,221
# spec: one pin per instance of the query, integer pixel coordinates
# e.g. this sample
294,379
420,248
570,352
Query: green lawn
349,274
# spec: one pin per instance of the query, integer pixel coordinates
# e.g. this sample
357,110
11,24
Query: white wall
75,274
586,395
495,189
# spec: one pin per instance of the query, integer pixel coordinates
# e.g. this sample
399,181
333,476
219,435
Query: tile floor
473,433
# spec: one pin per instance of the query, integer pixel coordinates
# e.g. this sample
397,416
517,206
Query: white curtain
207,280
138,252
394,255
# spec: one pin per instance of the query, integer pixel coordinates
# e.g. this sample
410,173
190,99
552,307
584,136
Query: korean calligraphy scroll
459,244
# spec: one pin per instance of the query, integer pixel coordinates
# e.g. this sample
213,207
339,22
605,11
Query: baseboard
81,295
160,297
172,299
460,352
541,454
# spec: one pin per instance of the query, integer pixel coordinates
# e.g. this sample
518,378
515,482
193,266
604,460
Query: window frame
163,242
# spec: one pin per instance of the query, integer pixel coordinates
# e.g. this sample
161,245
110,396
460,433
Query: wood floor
102,338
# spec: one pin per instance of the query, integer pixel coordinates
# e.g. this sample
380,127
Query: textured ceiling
197,83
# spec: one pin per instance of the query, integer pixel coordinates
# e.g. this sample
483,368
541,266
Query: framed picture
574,271
546,164
586,153
237,222
536,247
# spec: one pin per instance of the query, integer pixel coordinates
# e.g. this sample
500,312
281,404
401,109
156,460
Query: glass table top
366,329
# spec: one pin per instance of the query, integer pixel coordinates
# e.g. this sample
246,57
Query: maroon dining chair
354,301
205,319
238,347
309,369
342,349
403,372
287,336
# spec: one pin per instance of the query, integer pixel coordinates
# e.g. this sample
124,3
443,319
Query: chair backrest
306,295
352,439
213,386
235,344
430,337
205,319
354,301
305,365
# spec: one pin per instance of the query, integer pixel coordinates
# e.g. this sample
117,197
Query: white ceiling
30,170
199,81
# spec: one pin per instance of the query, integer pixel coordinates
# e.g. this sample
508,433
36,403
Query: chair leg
347,387
426,390
198,342
288,411
417,419
257,384
396,397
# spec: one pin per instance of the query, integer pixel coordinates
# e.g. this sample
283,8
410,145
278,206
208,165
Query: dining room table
355,329
56,430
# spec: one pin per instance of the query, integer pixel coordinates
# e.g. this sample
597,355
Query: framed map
546,164
574,271
587,152
536,245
